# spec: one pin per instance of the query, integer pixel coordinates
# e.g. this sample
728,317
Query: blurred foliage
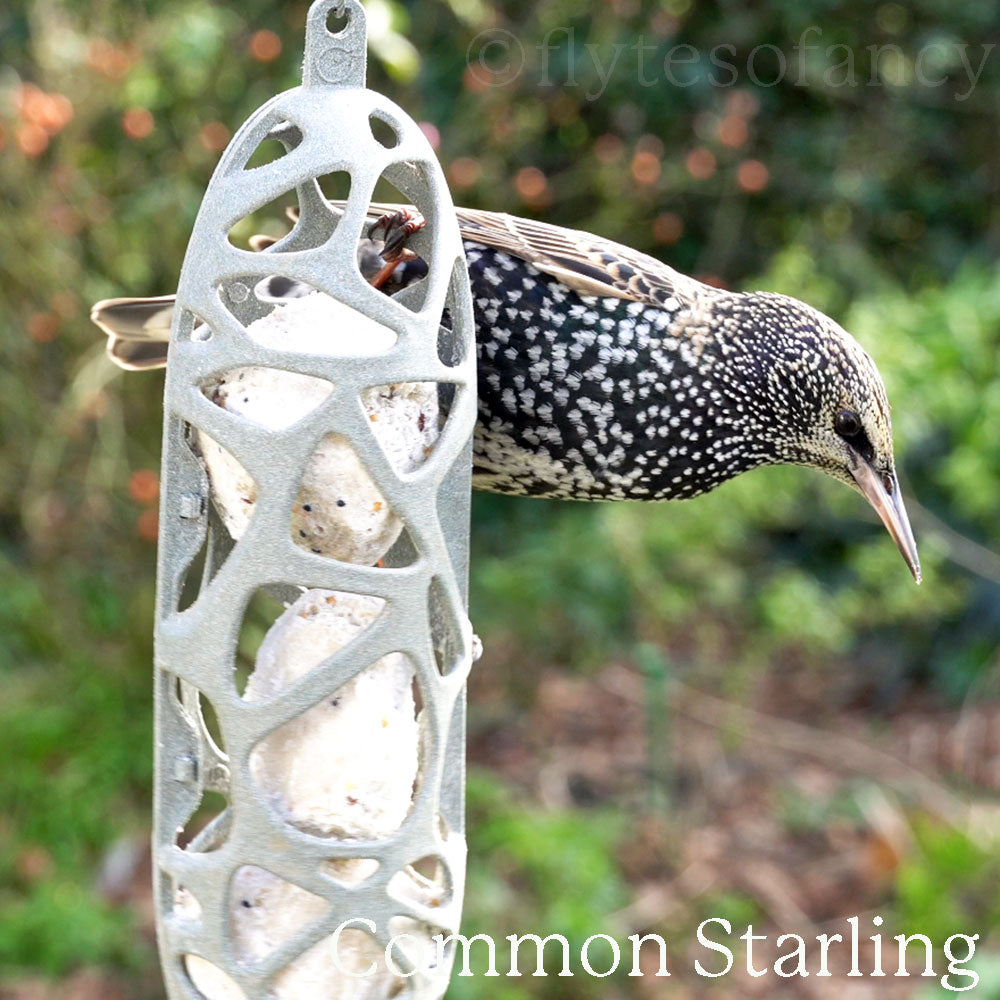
560,889
988,988
875,202
75,721
947,857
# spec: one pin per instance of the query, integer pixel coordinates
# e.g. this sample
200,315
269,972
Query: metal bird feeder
408,878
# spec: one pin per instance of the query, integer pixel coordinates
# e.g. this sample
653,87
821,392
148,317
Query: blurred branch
93,373
830,748
961,550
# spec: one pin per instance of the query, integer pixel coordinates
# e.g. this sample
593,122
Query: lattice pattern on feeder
276,400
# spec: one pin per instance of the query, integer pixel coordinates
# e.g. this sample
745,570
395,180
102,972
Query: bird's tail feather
137,355
138,330
140,319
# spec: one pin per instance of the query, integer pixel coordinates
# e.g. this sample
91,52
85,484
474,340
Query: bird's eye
847,424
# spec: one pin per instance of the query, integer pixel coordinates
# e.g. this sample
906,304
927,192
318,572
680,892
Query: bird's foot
398,227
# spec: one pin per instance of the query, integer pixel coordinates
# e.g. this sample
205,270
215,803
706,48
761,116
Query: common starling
604,374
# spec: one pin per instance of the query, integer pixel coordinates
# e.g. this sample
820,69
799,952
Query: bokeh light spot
752,176
700,163
264,46
144,486
65,218
32,139
110,60
608,148
646,168
464,171
668,228
214,136
430,130
742,103
148,524
530,184
138,123
43,327
733,131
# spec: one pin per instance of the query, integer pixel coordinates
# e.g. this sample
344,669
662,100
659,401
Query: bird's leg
385,271
398,227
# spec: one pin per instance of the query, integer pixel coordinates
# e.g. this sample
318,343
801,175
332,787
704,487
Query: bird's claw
398,227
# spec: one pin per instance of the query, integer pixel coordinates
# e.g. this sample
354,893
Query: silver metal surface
324,126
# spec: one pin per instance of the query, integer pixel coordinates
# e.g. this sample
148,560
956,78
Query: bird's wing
588,264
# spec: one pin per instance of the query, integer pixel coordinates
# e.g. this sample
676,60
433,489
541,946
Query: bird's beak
889,506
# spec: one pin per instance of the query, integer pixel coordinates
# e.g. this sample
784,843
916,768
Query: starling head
810,395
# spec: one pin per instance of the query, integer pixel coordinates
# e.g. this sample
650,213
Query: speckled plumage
588,397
